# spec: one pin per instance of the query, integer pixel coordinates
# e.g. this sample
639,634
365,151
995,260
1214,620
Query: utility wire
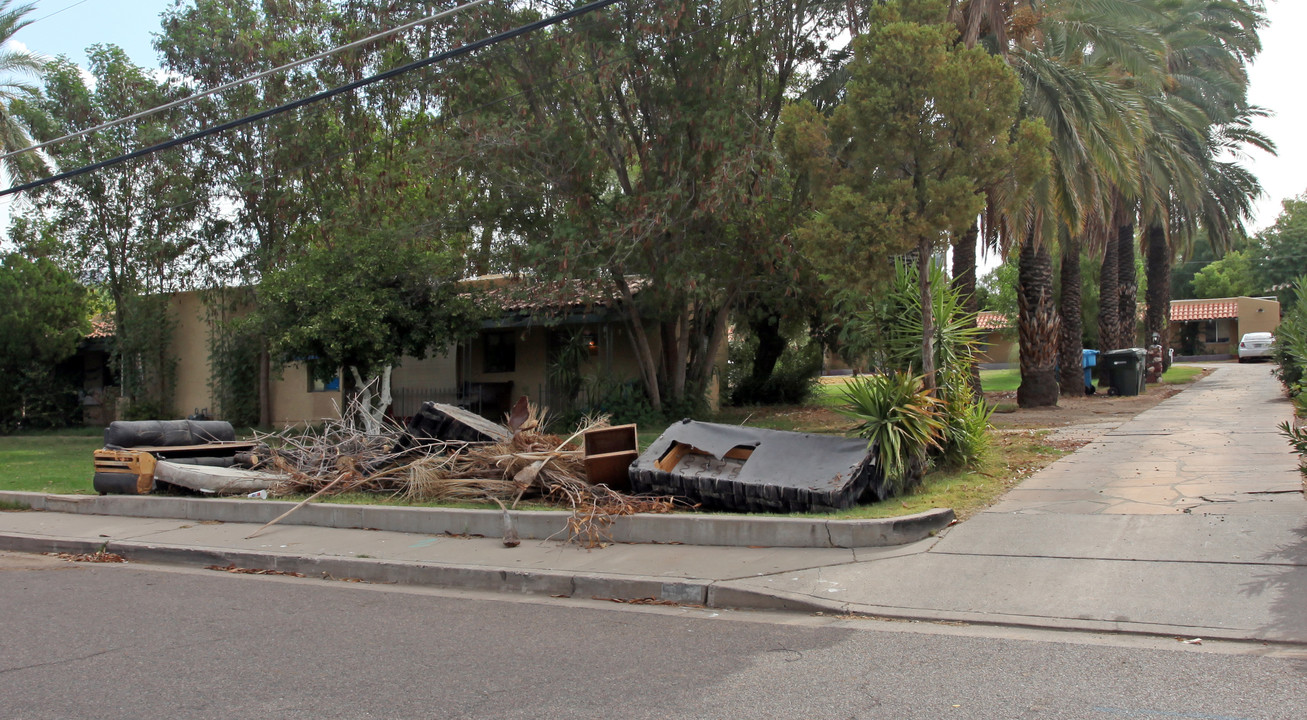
56,12
242,81
462,50
446,119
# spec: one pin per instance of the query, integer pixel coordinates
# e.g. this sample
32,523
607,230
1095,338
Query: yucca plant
965,438
1297,437
898,418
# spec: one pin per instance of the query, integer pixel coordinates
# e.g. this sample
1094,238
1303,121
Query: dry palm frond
529,464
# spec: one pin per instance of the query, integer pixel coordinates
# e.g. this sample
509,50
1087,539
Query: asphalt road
125,641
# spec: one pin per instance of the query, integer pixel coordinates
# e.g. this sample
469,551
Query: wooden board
214,480
109,463
608,455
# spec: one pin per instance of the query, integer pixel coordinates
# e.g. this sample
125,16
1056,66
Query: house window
499,352
1217,331
317,385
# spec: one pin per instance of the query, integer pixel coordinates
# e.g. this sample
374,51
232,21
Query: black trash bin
1123,370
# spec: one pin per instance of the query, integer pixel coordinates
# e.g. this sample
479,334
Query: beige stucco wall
291,400
997,347
437,370
530,373
1256,315
190,346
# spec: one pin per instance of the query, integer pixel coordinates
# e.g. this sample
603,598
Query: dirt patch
1082,409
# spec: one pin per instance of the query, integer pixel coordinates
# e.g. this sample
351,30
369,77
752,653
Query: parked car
1255,345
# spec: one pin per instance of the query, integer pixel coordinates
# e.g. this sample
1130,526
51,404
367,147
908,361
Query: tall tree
926,125
254,168
646,173
1065,52
1281,249
1201,129
135,229
42,318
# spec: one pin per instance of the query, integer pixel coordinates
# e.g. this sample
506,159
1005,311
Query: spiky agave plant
898,418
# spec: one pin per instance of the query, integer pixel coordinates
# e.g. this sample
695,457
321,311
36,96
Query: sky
68,27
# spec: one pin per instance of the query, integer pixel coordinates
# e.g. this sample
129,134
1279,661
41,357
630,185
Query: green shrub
902,421
1290,350
966,426
790,383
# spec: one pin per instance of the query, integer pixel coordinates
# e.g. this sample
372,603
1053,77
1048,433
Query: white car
1255,345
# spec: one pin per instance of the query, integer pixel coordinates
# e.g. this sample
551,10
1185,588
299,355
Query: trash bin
1124,370
1088,361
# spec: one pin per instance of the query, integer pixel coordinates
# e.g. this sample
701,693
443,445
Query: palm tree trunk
1070,341
964,281
1127,286
1038,326
1158,313
1107,304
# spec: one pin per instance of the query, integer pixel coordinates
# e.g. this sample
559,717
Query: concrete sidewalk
1185,521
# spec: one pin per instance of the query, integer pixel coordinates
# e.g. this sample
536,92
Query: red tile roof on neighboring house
101,327
992,321
525,296
1184,312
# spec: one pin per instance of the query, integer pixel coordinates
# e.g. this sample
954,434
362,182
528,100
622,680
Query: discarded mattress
728,467
213,480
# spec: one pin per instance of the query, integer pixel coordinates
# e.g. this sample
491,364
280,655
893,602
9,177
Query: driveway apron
1186,520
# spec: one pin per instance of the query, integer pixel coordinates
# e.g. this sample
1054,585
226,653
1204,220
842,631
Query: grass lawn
1179,374
1009,379
45,462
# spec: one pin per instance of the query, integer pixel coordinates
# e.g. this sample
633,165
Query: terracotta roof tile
526,296
101,327
992,321
1188,311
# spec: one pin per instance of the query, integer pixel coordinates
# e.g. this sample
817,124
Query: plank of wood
214,480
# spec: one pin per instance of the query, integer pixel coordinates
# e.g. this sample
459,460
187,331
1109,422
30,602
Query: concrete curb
466,577
687,529
685,591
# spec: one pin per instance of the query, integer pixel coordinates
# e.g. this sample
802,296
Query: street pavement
1185,521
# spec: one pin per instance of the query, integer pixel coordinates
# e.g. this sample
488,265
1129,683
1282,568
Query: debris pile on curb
434,459
203,456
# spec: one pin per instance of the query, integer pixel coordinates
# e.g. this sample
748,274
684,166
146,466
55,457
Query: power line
456,52
242,81
445,119
56,12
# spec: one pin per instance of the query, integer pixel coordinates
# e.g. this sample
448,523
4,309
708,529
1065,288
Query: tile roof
992,321
1211,310
101,327
527,296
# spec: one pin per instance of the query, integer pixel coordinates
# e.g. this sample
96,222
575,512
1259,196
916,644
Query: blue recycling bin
1089,360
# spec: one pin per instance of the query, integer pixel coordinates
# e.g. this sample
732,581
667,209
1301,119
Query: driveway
1186,520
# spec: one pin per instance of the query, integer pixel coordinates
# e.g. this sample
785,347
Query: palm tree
16,68
1069,55
1202,127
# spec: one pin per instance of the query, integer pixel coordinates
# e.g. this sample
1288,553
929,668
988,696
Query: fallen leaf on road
97,557
251,571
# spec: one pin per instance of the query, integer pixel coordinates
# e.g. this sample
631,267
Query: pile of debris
202,456
448,454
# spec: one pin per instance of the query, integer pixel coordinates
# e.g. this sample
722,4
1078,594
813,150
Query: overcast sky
68,27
